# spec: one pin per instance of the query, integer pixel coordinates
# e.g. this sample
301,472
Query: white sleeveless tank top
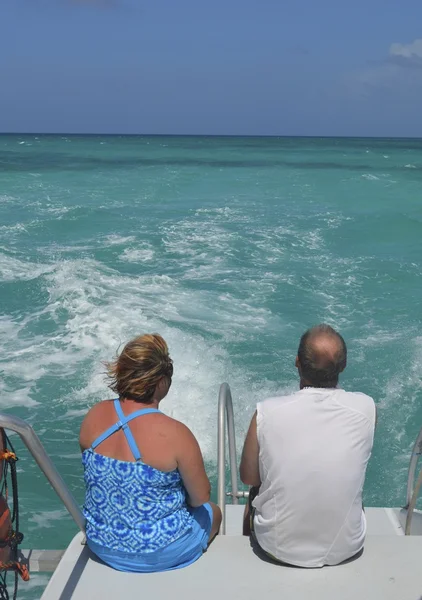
314,447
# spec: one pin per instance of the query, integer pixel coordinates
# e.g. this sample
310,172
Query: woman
147,492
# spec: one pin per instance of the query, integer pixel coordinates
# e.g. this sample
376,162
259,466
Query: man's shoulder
275,401
358,402
357,396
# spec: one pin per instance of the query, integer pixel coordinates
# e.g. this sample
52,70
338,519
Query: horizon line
212,135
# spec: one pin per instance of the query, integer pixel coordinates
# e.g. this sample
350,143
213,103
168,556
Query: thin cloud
399,72
407,51
407,55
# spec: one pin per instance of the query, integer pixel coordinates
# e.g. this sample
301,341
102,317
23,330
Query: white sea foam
370,177
14,269
379,337
400,396
57,209
314,240
209,272
221,211
116,240
73,412
5,198
103,309
11,398
19,227
46,519
137,255
76,456
206,239
333,220
410,166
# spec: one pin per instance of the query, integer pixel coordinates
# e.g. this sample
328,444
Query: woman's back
147,491
130,505
156,435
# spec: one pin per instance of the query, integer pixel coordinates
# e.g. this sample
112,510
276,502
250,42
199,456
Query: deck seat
389,569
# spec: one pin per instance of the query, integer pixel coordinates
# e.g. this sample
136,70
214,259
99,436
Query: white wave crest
14,269
137,255
117,240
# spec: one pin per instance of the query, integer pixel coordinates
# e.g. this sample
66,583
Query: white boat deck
389,569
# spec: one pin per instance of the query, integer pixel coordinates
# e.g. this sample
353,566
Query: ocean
230,247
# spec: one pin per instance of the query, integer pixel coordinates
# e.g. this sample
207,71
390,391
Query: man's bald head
321,356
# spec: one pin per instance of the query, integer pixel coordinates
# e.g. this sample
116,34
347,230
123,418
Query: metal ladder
413,487
33,443
225,411
43,560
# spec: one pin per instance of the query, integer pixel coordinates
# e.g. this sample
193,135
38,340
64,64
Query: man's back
314,447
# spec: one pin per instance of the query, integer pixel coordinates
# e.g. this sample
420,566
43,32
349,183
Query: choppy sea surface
228,247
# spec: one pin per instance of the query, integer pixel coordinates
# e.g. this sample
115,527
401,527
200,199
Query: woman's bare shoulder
93,421
99,408
178,429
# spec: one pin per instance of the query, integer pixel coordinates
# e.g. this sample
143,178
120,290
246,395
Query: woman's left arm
85,433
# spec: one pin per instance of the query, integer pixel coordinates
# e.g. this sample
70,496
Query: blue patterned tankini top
130,506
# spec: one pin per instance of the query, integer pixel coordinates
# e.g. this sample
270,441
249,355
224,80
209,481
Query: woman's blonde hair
139,367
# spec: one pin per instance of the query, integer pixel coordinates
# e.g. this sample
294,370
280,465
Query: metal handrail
225,411
33,443
412,488
416,453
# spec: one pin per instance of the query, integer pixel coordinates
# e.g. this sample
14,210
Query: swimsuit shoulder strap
122,423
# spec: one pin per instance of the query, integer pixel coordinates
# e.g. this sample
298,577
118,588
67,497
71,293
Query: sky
232,67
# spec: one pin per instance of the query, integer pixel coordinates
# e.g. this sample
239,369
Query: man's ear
297,363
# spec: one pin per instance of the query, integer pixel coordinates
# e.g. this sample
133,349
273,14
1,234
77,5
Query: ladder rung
240,494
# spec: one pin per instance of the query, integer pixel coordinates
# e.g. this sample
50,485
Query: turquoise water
229,247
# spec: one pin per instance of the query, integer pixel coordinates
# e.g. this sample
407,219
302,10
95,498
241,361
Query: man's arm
249,465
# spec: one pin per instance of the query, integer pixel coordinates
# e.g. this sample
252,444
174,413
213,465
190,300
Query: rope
14,537
4,593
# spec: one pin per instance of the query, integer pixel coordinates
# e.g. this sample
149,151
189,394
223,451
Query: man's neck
305,384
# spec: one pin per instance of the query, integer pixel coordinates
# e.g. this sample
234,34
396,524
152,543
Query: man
307,453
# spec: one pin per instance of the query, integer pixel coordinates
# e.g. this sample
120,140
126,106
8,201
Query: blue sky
259,67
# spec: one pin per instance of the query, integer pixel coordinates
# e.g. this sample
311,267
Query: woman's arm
249,465
191,467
